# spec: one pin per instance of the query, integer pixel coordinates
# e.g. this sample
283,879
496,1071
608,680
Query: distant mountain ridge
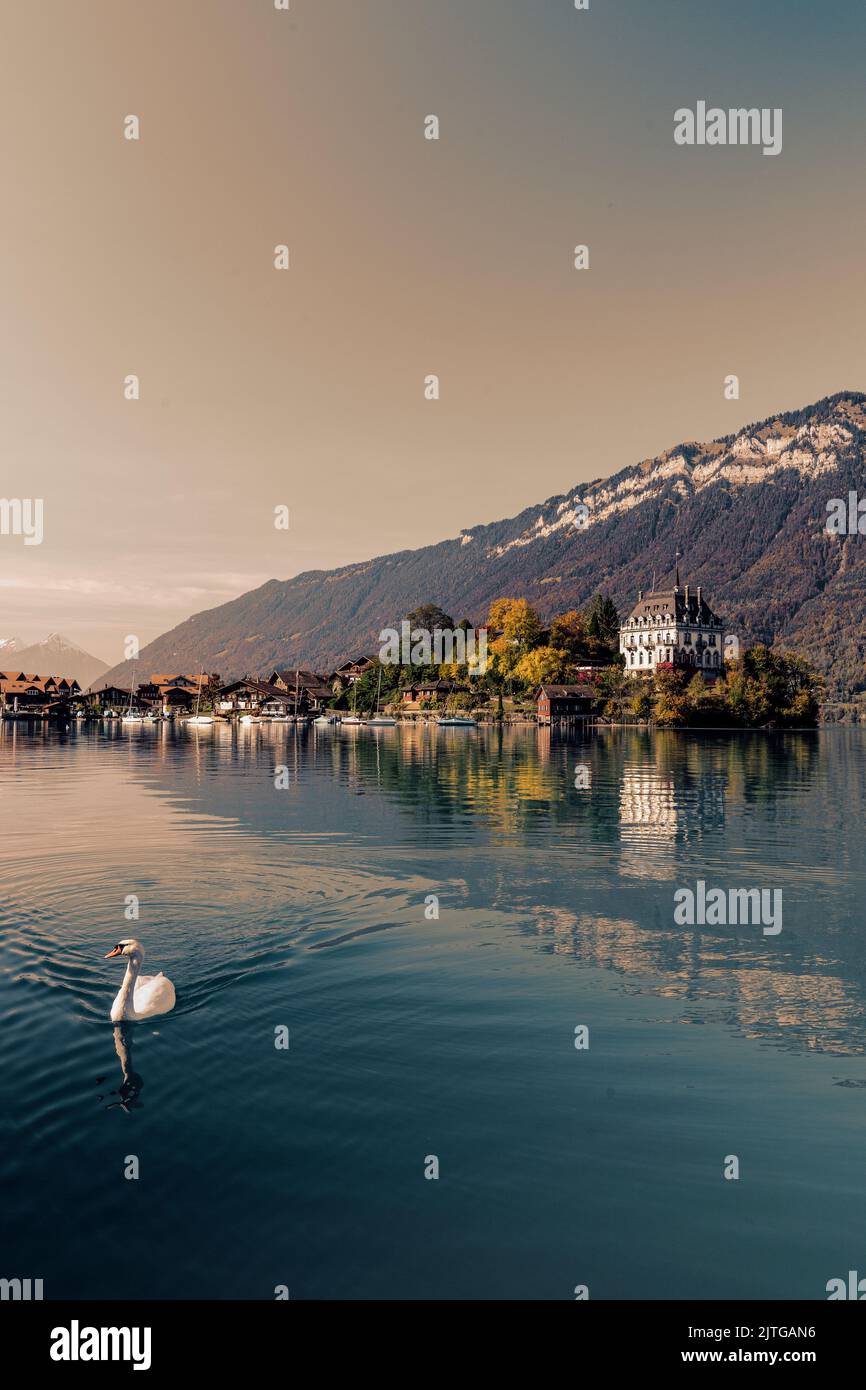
55,656
748,511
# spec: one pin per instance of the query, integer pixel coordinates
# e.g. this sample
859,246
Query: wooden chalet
174,692
431,690
350,672
554,703
313,690
23,693
109,698
248,695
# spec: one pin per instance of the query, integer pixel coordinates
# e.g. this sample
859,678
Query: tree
568,634
642,703
602,620
614,688
520,624
671,701
429,616
779,687
541,664
362,694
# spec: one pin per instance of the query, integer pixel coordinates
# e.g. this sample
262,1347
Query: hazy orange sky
408,257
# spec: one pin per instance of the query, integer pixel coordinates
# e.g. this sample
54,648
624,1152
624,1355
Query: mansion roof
682,605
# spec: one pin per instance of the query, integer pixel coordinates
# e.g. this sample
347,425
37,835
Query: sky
305,388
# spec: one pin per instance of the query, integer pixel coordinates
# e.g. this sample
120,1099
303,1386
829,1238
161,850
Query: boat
131,716
377,720
251,719
327,719
353,719
456,721
197,719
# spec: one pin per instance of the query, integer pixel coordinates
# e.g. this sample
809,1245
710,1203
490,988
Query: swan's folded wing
154,994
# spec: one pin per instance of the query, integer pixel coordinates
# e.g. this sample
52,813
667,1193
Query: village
668,662
283,696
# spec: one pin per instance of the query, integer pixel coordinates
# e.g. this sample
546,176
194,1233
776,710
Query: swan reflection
131,1086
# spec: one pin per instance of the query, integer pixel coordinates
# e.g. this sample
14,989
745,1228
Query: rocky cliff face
747,511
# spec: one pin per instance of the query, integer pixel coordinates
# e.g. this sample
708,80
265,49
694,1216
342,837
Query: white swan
140,996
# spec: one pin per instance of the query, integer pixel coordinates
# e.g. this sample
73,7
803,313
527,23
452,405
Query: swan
140,996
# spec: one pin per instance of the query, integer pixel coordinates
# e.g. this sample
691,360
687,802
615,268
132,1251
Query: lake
310,906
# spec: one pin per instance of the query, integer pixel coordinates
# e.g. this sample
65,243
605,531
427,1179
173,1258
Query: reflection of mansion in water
672,628
655,806
647,802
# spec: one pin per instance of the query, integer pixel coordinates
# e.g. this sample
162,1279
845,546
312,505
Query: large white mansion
672,628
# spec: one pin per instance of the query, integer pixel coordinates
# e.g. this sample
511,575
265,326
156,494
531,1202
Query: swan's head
129,947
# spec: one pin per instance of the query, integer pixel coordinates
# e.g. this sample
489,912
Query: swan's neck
127,989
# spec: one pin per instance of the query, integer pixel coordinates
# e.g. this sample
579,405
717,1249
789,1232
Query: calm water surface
305,907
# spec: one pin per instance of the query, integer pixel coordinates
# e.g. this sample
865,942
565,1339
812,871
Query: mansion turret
672,628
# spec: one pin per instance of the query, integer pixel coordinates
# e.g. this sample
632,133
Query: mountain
56,656
748,511
9,646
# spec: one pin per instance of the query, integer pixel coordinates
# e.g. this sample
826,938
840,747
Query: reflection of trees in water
499,774
664,783
522,779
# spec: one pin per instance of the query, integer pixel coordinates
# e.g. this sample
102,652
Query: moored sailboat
377,720
131,716
198,719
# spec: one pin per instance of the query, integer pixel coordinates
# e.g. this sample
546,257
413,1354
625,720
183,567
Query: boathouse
564,702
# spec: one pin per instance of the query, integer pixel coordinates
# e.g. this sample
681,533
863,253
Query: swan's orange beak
115,952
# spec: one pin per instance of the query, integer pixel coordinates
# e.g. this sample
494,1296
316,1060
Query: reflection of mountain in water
797,1002
588,873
